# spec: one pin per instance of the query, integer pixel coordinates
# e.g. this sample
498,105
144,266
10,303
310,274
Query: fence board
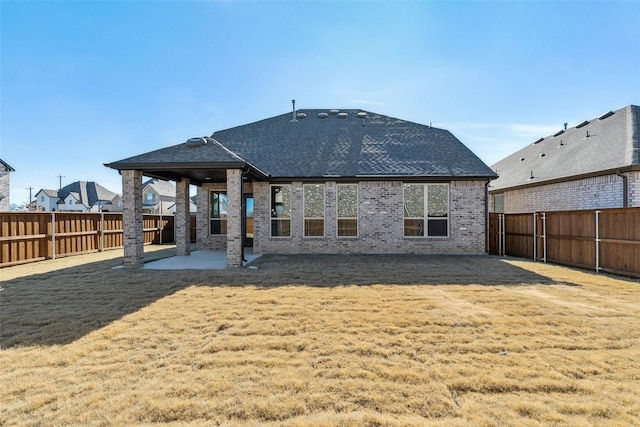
35,236
569,238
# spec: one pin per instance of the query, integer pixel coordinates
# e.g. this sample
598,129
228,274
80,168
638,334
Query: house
318,181
79,196
46,200
593,165
158,196
5,170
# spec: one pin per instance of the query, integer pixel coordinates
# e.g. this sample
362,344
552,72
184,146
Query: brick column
183,218
132,218
234,218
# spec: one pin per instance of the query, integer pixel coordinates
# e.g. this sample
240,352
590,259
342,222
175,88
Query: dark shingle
376,145
593,146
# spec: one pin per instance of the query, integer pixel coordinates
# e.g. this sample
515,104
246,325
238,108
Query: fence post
544,237
53,235
535,237
161,226
101,231
597,243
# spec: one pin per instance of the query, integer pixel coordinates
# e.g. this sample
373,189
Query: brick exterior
234,218
4,188
182,218
590,193
380,219
132,218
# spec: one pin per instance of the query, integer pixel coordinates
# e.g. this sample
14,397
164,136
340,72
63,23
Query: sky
83,83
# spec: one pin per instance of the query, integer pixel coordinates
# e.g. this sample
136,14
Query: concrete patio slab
198,260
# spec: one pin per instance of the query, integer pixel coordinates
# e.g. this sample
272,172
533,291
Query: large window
218,212
347,202
280,210
426,210
313,210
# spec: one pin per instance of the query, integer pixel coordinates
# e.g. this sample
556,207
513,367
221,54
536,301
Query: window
149,197
426,210
347,202
218,212
498,203
280,210
313,210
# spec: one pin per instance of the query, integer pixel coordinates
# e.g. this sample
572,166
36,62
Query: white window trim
324,213
357,217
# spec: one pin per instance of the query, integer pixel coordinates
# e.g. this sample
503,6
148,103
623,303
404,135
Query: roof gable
605,143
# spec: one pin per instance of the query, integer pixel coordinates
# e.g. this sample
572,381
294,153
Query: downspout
486,216
625,189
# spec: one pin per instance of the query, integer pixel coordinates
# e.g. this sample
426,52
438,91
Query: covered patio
185,167
198,260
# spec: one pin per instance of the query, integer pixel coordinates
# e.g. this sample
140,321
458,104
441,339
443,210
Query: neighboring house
593,165
47,200
158,196
5,170
79,196
319,181
114,206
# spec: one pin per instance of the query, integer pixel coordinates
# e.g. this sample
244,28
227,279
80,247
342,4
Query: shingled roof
605,144
320,144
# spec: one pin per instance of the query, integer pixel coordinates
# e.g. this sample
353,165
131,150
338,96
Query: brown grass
368,340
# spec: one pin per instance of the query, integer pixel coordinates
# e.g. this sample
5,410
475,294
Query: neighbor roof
605,144
320,144
88,193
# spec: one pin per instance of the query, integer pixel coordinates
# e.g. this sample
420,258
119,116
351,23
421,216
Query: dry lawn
329,340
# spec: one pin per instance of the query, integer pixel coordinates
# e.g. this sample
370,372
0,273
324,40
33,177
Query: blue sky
89,82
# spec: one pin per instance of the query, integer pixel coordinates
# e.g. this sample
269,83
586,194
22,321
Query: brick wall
4,188
590,193
380,222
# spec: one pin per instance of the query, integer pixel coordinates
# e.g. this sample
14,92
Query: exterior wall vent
301,115
560,132
323,115
196,142
586,122
334,112
540,140
342,115
605,115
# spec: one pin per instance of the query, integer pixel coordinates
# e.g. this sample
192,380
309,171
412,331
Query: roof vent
323,115
605,115
361,115
531,176
334,112
560,132
342,115
293,119
196,142
522,159
301,115
586,122
542,155
540,140
561,144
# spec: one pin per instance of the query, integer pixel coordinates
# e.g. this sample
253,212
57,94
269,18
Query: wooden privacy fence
36,236
603,240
